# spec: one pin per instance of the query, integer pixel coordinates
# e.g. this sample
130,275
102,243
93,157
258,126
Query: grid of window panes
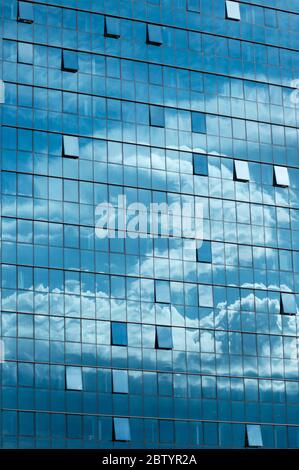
150,342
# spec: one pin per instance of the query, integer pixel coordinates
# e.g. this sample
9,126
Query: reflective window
154,35
112,27
193,5
241,171
281,176
71,146
70,61
199,123
74,378
25,53
205,296
157,118
121,428
233,10
120,381
164,337
200,165
254,436
204,252
162,292
119,336
25,12
288,304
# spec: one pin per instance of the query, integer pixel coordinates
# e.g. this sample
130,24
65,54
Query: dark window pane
200,165
74,378
119,335
71,146
154,35
70,61
162,292
122,430
204,252
199,123
25,53
120,381
112,27
164,337
25,12
157,118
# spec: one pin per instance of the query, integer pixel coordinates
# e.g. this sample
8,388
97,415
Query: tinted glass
25,53
71,146
254,436
288,303
200,163
241,171
154,35
70,61
112,27
122,429
157,116
164,337
120,381
25,12
162,292
119,334
199,123
204,252
233,10
74,378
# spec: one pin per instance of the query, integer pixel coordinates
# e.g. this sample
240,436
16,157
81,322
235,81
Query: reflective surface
149,342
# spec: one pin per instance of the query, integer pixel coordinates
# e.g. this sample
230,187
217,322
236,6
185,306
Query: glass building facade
149,342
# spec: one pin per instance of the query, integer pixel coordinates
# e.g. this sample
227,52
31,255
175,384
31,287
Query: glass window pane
199,123
122,430
112,27
157,118
70,61
162,292
241,171
74,378
25,53
233,10
71,146
193,5
119,335
254,436
288,304
200,165
154,35
164,337
204,252
281,176
25,12
205,295
120,381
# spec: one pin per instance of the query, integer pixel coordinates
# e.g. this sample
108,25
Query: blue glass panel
112,27
25,12
164,337
154,35
200,165
204,252
70,61
162,292
122,430
119,335
74,378
25,53
157,118
199,123
120,381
